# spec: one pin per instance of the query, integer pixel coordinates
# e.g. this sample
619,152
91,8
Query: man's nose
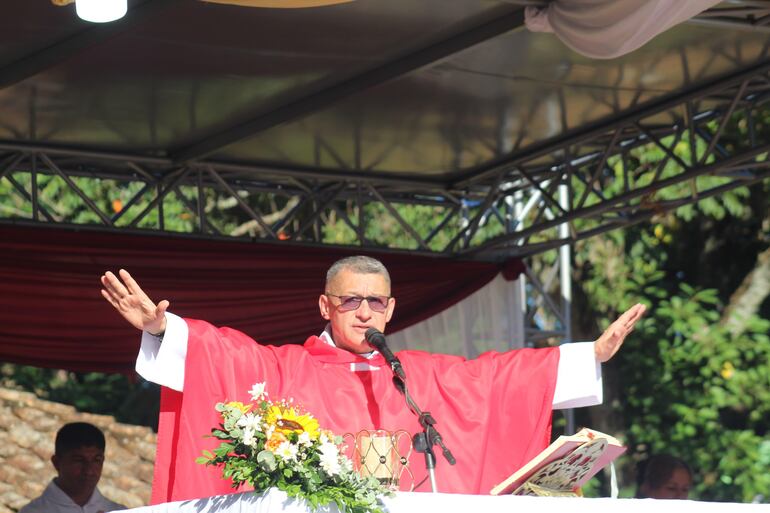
92,469
364,312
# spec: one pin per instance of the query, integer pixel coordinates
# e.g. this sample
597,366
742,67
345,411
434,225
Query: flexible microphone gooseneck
377,340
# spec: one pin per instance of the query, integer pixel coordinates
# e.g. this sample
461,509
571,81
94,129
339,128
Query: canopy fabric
52,313
604,29
282,4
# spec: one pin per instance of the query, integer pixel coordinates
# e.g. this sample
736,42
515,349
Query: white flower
287,451
328,448
330,465
329,458
304,439
258,391
249,438
251,422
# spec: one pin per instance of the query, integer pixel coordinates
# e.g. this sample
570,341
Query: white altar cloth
275,501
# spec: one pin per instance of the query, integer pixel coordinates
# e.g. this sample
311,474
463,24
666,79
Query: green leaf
266,460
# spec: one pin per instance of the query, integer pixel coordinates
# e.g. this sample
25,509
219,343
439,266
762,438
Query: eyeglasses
349,303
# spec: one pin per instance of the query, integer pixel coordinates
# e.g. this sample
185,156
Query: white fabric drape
276,501
492,319
604,29
489,319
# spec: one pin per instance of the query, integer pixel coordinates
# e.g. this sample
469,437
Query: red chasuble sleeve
493,412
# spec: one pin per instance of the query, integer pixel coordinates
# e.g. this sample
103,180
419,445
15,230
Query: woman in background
663,476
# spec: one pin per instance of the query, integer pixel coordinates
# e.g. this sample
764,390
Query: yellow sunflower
288,420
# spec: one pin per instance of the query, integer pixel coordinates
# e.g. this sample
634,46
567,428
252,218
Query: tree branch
748,297
252,227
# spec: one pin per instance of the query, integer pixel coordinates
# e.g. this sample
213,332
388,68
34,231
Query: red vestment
493,412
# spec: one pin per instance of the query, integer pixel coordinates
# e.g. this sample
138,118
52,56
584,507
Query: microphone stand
424,441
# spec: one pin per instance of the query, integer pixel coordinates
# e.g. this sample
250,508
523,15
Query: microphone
377,340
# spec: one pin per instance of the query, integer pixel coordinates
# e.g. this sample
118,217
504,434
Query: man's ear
55,462
391,307
324,306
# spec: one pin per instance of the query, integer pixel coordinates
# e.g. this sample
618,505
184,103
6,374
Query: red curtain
53,315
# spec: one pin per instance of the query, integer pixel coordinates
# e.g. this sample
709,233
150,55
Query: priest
493,412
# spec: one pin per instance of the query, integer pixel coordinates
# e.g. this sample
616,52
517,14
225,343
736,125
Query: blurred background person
663,476
78,459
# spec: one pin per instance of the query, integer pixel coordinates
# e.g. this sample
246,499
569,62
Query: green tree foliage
683,383
694,390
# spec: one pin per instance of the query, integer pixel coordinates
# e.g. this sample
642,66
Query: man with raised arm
493,412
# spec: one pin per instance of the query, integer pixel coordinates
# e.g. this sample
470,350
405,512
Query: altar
275,501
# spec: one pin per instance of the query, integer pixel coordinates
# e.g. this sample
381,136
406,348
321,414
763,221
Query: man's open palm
132,303
610,341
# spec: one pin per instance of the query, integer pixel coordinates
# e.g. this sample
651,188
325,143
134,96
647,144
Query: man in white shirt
78,459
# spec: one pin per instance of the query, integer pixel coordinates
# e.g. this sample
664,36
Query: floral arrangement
276,444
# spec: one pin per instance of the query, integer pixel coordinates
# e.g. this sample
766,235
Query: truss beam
681,150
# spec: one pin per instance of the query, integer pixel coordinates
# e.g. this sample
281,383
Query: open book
564,466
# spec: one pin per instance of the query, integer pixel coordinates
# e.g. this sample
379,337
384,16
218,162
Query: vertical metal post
361,228
565,282
201,199
33,188
161,215
518,211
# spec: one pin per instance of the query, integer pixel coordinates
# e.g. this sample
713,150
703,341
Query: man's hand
608,344
133,304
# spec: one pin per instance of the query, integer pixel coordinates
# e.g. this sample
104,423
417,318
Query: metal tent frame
550,170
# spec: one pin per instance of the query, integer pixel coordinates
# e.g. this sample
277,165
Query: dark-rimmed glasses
349,303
